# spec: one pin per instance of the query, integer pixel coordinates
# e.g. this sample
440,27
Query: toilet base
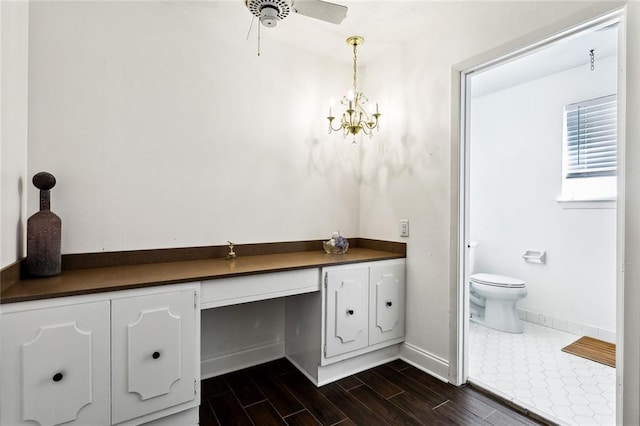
481,321
499,306
498,315
476,311
502,315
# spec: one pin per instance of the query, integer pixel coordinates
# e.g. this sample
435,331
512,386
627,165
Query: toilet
493,300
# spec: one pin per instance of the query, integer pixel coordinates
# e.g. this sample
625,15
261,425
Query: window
590,154
591,138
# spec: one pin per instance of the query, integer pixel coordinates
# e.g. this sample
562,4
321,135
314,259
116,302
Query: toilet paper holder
535,256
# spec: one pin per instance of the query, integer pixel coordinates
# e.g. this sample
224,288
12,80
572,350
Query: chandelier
359,115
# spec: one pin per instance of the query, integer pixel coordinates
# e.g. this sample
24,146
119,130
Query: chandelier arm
340,125
372,124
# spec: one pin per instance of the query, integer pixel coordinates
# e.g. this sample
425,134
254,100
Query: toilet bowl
493,301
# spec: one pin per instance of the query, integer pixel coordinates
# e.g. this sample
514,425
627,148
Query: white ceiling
384,24
559,56
387,24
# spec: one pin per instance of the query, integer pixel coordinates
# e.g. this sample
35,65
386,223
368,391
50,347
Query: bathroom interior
542,245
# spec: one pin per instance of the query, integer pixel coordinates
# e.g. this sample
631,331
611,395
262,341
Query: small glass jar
336,245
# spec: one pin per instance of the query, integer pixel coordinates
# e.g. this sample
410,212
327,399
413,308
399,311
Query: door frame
598,16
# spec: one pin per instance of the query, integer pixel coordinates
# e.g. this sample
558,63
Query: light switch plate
404,227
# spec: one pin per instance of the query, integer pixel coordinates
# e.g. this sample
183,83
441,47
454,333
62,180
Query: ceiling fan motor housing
269,11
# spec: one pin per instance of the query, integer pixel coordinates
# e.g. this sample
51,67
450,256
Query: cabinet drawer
55,366
231,291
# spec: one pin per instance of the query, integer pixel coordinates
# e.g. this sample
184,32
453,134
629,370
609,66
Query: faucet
231,254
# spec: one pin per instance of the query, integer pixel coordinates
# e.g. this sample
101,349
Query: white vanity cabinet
54,365
364,307
127,357
153,353
386,302
355,322
346,310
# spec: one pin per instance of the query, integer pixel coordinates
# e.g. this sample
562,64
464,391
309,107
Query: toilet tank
472,257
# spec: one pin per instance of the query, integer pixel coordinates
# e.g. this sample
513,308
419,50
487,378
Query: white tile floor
532,371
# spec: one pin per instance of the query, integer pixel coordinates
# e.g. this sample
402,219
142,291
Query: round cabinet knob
57,377
350,312
389,304
156,355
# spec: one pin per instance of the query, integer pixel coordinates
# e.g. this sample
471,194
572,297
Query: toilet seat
496,280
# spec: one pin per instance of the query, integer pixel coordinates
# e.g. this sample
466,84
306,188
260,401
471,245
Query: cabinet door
347,310
387,287
153,353
55,366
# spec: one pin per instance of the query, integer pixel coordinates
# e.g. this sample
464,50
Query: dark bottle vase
44,233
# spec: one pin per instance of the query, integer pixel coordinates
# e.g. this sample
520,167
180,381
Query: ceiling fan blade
322,10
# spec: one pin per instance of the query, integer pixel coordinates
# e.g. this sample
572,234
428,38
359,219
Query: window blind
591,137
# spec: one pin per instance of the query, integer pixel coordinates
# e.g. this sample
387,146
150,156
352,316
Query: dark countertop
95,280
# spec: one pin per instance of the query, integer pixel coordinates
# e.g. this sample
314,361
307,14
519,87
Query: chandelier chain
355,67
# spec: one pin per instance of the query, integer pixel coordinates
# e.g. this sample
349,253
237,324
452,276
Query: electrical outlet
404,227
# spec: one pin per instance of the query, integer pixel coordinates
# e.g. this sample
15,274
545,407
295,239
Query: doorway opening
533,229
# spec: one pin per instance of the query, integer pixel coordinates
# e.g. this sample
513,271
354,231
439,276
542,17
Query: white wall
421,189
413,178
128,121
239,336
14,50
516,178
165,129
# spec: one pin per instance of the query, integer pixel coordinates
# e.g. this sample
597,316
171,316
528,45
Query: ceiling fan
271,11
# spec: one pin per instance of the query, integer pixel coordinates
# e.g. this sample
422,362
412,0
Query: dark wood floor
276,393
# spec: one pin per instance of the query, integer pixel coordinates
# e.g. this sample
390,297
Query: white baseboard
425,361
303,371
340,370
567,326
188,418
242,359
330,373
